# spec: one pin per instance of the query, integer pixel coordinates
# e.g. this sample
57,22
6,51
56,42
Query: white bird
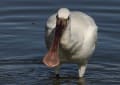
71,38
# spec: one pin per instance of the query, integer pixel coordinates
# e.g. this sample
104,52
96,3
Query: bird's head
62,18
52,57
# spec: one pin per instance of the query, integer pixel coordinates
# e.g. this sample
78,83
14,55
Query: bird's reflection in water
69,81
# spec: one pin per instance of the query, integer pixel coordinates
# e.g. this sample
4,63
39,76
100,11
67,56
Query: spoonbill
70,38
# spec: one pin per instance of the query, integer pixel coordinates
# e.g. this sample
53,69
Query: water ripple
22,45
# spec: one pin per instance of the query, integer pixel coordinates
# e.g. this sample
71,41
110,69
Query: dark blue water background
22,44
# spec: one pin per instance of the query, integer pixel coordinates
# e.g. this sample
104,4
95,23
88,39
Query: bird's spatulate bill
51,59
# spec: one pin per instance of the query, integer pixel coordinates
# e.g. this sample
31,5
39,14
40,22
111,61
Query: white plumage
63,13
78,40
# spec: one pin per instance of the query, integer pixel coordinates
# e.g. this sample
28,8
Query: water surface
22,44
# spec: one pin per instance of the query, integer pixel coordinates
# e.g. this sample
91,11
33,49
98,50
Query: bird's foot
57,76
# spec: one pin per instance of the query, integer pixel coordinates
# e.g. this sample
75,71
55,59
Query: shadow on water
68,81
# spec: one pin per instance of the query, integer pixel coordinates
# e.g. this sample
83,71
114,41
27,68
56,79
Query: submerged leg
57,70
82,69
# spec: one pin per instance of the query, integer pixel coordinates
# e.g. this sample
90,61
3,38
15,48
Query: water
22,43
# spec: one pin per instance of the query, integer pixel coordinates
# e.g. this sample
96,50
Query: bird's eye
68,18
56,16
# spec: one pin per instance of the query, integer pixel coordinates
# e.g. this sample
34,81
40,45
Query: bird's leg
82,69
57,70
